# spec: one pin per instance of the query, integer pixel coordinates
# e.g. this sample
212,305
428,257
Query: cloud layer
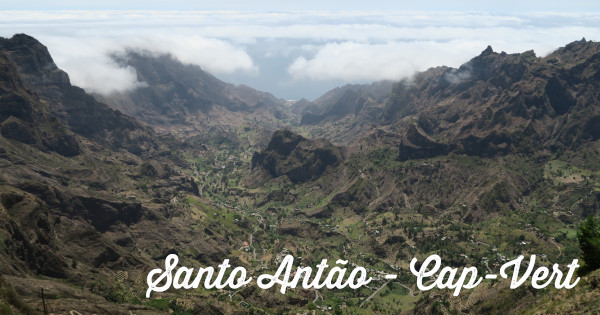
306,47
353,61
88,61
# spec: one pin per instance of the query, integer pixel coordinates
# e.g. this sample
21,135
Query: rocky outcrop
296,157
24,118
417,145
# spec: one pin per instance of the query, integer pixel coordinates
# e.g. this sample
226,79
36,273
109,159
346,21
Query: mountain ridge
70,104
479,164
177,93
516,101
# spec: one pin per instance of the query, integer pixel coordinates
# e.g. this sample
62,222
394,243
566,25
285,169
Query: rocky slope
179,94
289,154
88,199
80,112
499,103
24,118
345,114
478,164
355,100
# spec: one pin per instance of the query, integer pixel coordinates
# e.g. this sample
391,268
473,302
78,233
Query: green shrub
589,242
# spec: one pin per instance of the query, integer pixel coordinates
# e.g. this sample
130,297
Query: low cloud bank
390,61
314,46
90,66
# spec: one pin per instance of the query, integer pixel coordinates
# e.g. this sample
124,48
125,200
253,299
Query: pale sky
292,50
311,5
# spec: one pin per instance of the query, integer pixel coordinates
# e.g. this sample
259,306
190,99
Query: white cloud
88,61
427,47
81,43
214,55
89,65
392,61
347,46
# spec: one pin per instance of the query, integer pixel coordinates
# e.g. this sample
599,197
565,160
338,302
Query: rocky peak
34,56
487,51
283,142
575,53
498,103
294,156
70,104
500,69
25,119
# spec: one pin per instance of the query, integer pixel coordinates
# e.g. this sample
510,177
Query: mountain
480,164
349,99
289,154
24,118
344,114
499,103
179,94
89,198
70,104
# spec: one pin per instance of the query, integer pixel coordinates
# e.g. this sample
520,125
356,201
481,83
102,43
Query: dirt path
410,290
317,296
374,293
406,201
488,267
203,183
551,240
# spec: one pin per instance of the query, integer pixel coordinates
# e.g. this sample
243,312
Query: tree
589,242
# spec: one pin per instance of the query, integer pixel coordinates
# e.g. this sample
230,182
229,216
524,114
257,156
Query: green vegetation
478,173
589,241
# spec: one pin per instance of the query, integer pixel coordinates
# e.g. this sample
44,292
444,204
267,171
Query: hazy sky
313,5
292,50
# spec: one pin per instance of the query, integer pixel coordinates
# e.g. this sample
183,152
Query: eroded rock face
24,118
100,213
16,129
296,157
75,109
416,145
498,103
176,93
